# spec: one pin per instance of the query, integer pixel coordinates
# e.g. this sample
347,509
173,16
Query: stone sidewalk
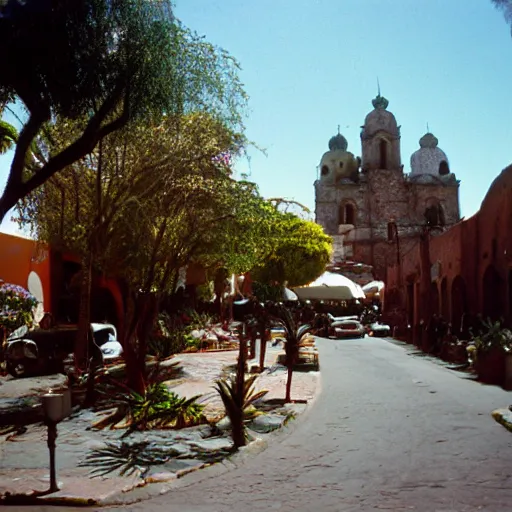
24,457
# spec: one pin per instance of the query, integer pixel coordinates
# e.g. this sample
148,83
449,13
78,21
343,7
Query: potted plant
489,352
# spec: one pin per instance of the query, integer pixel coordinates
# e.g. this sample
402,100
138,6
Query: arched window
443,168
494,294
347,214
325,170
383,147
434,216
350,214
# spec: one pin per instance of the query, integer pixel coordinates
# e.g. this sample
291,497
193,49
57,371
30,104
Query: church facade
373,210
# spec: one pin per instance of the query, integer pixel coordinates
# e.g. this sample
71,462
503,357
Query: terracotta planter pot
490,366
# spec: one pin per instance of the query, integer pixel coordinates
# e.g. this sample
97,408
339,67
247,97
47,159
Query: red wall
467,250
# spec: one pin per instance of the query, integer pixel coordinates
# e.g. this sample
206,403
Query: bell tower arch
380,138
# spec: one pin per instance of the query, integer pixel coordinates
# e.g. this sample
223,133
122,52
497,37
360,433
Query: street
389,431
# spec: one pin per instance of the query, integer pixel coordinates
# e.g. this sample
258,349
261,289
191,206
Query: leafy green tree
106,63
300,252
138,208
8,136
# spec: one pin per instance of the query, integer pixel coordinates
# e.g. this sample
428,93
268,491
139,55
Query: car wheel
17,370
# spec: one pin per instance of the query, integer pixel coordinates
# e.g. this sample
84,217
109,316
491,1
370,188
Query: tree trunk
135,379
252,347
263,346
288,397
291,360
148,315
238,427
82,343
140,323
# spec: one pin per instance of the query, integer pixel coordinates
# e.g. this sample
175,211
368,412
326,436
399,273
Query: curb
503,417
151,488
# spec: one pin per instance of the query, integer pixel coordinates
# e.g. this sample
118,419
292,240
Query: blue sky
311,65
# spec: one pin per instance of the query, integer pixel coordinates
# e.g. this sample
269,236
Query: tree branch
78,149
25,139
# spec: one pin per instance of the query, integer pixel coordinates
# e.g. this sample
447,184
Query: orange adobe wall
19,257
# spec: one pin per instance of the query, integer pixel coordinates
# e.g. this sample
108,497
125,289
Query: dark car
44,351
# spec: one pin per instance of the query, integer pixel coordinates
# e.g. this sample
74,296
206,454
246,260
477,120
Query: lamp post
56,407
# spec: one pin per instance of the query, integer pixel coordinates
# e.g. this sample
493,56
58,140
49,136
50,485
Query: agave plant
238,402
157,407
238,394
493,335
295,337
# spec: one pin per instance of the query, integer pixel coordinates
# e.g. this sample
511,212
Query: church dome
380,119
338,142
337,163
429,159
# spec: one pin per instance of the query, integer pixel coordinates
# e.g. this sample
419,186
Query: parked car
43,351
341,318
378,330
347,329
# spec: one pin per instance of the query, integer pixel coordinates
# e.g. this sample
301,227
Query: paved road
389,431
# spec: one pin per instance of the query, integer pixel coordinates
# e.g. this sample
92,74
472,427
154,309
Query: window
350,214
347,214
443,168
383,154
391,231
325,170
434,215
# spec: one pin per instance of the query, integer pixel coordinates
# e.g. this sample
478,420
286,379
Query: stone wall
381,196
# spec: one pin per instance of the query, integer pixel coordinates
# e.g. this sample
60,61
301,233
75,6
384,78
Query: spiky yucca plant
238,404
237,393
295,336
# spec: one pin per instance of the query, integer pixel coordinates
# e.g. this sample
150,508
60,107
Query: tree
506,7
106,63
8,136
140,207
300,253
295,336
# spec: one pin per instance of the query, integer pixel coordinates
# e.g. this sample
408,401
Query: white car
105,337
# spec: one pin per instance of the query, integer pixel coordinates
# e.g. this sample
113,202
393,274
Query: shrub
158,407
16,307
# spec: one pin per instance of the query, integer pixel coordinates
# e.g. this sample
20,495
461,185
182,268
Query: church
374,211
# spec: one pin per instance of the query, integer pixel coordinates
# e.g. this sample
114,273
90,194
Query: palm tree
295,335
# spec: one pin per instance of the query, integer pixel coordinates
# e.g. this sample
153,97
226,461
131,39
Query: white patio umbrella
373,287
289,294
330,286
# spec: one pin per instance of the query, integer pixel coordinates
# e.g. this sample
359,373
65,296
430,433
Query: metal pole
52,437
